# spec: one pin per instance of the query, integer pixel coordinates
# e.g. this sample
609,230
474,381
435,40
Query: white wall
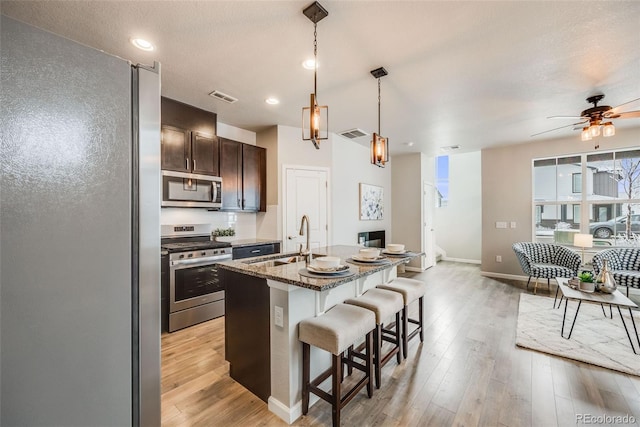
458,226
407,205
352,166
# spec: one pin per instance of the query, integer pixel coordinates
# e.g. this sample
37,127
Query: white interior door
306,194
428,239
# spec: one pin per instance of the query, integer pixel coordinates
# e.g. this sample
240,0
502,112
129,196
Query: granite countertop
288,273
252,242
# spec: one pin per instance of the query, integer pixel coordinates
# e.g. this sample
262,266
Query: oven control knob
203,253
215,252
190,255
181,256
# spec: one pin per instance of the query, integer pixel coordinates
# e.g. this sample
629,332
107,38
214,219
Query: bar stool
384,304
411,291
335,331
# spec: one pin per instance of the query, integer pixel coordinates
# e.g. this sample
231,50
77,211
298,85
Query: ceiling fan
596,118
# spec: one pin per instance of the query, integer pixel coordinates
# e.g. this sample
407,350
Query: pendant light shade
315,118
379,144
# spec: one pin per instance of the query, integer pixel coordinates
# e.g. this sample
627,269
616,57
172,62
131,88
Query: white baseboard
414,269
505,276
468,261
289,415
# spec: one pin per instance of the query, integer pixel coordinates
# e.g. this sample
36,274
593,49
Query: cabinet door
176,149
204,151
253,178
231,174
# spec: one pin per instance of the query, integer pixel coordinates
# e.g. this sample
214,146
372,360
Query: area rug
596,339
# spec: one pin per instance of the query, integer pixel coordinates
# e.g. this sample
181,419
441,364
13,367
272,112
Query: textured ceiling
477,74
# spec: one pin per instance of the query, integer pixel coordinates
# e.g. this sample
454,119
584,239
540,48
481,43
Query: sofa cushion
629,278
550,271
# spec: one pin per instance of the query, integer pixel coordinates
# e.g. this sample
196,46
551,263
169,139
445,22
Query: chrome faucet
307,252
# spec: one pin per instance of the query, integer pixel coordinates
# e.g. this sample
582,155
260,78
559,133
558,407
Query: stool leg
335,390
369,363
421,317
305,377
405,330
350,356
377,342
398,338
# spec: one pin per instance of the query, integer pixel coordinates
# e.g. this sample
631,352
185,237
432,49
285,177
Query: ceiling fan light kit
315,118
595,117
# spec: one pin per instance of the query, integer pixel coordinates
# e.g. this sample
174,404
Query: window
595,193
442,181
576,183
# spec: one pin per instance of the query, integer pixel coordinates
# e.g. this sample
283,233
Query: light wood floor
467,372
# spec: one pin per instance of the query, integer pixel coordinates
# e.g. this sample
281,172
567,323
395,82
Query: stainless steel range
196,293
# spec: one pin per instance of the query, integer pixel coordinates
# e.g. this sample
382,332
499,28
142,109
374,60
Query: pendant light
315,118
379,144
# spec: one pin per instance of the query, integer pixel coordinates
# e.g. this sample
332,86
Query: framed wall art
371,202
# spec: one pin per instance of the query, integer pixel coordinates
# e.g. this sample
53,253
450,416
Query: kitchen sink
281,261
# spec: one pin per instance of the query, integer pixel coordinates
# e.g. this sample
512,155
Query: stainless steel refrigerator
79,234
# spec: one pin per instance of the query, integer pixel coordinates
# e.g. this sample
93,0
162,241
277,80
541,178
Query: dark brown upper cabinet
243,173
189,141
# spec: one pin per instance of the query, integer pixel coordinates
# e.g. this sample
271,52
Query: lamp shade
583,240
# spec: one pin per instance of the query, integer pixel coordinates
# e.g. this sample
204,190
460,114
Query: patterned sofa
624,263
546,261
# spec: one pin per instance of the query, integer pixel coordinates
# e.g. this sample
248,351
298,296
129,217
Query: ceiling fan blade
628,102
561,127
628,115
566,117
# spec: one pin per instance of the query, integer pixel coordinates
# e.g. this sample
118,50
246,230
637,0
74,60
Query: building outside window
595,193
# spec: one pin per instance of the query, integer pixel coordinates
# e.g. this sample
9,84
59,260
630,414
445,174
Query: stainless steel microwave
188,190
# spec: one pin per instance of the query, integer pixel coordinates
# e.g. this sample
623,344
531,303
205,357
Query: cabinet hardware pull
194,164
187,164
255,251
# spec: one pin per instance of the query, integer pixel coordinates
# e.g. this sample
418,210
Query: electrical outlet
498,258
278,316
501,224
513,224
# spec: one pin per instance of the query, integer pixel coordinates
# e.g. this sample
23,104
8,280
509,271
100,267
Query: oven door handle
195,262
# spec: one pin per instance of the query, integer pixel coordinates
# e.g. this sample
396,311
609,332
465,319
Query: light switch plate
501,224
513,224
278,316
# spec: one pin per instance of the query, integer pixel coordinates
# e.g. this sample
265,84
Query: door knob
291,237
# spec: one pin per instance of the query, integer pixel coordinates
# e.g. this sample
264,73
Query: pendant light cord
378,106
315,59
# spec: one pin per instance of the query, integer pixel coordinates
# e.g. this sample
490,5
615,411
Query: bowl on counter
326,262
369,253
395,248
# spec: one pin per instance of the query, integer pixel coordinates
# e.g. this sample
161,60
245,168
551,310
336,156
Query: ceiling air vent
450,148
353,133
223,96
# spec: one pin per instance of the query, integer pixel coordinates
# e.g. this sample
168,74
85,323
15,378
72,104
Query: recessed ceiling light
272,101
409,144
309,64
142,44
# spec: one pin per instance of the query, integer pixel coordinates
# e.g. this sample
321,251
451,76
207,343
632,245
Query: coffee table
615,299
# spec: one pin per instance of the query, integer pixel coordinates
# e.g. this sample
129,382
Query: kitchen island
269,296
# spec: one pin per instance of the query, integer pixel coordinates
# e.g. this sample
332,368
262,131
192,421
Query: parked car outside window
606,229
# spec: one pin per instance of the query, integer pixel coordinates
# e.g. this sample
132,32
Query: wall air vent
223,97
353,133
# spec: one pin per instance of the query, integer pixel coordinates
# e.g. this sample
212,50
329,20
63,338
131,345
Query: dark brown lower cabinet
247,336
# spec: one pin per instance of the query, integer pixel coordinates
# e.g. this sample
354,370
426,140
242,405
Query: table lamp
583,241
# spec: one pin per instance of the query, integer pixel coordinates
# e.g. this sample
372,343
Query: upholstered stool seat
335,331
384,304
411,290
